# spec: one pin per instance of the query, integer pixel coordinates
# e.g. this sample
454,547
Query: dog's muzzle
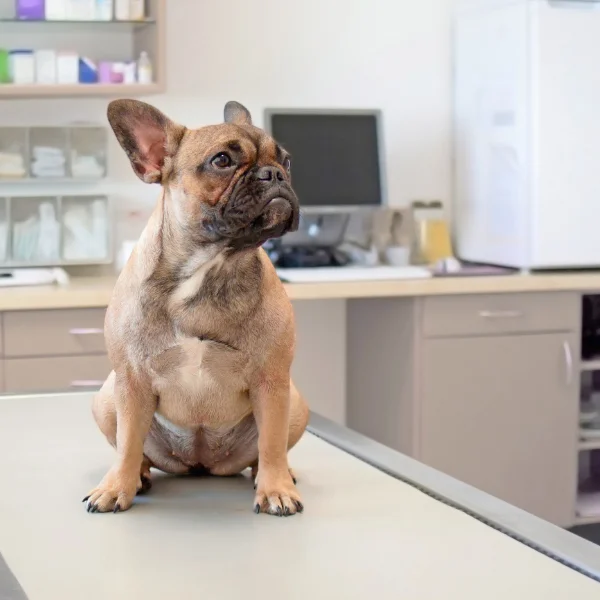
262,206
280,214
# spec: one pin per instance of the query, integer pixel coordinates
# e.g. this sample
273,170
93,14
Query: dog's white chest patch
200,384
195,269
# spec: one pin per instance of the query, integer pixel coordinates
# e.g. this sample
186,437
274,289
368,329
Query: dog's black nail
90,506
117,508
299,505
278,511
257,508
146,485
86,499
294,480
286,511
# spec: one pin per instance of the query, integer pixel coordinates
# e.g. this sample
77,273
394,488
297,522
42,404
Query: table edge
556,543
10,588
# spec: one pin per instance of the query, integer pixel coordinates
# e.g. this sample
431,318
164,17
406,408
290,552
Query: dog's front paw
114,493
277,495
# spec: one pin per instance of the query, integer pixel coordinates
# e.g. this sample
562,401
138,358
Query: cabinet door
501,413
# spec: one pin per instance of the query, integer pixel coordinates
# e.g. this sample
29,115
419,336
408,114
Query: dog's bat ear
149,138
237,114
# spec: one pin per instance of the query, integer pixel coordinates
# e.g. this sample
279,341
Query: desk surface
364,533
85,292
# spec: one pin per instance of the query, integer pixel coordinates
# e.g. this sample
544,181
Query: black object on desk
302,257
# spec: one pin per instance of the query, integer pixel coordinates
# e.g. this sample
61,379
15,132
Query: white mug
398,256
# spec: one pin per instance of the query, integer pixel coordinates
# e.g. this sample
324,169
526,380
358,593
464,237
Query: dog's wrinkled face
228,182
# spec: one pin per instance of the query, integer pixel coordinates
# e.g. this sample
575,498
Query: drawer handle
86,383
83,331
568,362
500,314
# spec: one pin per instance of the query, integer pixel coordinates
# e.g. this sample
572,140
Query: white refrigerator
527,133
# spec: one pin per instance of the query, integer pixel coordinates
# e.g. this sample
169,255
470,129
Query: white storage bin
87,152
35,230
48,152
13,152
86,229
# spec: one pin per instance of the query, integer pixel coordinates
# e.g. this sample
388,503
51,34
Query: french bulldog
200,331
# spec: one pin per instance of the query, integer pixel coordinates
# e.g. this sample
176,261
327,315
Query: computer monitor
337,157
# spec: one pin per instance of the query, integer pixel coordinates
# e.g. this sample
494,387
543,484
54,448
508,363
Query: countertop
85,292
363,534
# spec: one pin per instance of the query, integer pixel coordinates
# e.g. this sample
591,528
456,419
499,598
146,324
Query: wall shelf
10,90
140,22
110,41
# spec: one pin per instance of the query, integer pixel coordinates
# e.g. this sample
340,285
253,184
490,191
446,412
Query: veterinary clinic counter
85,292
376,524
459,373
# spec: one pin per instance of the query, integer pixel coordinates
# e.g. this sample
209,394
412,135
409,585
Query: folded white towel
47,152
37,171
52,162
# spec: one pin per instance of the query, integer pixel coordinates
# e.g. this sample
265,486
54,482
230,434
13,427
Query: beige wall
388,54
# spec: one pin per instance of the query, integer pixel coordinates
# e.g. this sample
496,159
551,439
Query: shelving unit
97,40
588,494
587,508
72,144
590,365
587,445
586,521
17,212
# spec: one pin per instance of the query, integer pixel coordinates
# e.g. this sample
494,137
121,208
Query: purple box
32,10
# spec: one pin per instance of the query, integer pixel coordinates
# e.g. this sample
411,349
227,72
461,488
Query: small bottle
137,10
144,69
104,10
121,10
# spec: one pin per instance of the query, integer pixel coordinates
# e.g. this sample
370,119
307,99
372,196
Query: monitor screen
335,157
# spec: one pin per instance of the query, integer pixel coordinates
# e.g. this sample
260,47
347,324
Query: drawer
489,314
54,332
56,374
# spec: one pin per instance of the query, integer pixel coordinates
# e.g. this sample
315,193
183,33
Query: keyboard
332,274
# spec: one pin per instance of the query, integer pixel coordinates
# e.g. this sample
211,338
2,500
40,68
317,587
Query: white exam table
376,525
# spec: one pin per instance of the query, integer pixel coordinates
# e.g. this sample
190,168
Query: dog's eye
221,161
287,164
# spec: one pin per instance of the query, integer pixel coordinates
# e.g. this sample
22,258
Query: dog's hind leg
103,409
105,414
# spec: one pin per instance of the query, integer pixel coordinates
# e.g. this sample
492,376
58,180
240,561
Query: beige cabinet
501,413
55,374
482,387
52,350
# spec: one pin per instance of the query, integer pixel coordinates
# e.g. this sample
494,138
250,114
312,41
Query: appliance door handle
568,362
84,331
86,383
500,314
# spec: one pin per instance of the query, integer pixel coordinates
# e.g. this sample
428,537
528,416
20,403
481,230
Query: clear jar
432,240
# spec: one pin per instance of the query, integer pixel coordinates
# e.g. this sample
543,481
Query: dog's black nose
269,174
